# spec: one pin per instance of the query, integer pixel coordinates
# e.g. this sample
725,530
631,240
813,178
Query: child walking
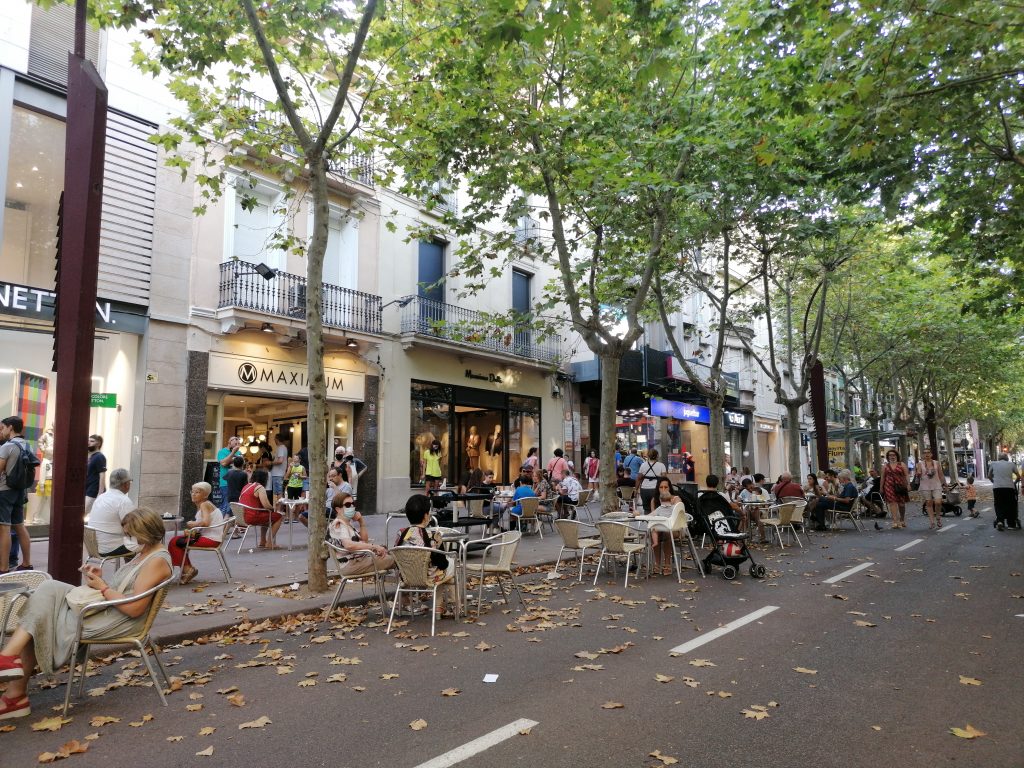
972,497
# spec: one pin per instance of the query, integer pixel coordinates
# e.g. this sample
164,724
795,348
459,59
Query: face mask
132,544
349,513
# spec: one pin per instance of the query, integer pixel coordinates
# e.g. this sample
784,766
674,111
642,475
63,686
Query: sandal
939,523
11,708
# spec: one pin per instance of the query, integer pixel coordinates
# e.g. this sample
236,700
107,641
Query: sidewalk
207,606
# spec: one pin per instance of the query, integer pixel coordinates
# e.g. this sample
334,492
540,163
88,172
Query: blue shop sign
675,410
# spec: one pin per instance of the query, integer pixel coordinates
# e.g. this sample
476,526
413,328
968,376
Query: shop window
431,420
523,430
35,178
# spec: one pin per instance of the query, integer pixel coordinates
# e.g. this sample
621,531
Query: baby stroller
950,501
729,547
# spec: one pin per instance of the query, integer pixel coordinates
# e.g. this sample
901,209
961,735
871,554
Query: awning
861,435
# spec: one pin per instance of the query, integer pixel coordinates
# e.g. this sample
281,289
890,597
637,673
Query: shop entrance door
480,441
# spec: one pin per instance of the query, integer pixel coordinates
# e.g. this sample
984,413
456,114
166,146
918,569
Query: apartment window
341,260
254,220
521,305
52,37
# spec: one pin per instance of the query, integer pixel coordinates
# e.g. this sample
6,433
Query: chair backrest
32,579
627,491
92,546
507,553
227,525
159,594
678,520
613,535
584,498
413,565
476,508
569,530
786,513
529,506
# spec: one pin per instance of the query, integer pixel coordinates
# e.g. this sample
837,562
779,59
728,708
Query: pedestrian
95,471
208,516
568,494
932,480
12,500
689,467
352,469
532,460
592,471
971,494
1004,476
558,467
896,487
279,467
632,462
647,478
237,478
226,458
109,512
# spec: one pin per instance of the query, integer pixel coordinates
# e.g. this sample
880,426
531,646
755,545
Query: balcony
284,295
435,320
263,117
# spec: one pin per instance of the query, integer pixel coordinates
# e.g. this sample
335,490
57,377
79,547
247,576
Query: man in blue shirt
525,490
843,502
226,457
633,463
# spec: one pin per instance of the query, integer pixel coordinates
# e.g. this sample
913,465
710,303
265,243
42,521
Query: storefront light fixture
352,344
254,449
263,438
267,328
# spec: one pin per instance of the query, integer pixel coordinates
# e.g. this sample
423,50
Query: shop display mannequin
473,448
495,446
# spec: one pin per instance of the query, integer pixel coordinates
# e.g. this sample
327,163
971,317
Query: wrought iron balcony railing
284,295
434,319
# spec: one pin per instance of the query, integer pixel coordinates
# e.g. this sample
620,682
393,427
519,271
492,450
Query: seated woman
47,630
662,504
813,491
542,489
258,509
442,568
342,533
207,514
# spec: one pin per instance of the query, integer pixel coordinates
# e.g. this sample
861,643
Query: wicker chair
530,505
614,545
569,530
226,526
496,565
340,554
781,516
628,495
414,577
677,527
92,548
12,605
139,638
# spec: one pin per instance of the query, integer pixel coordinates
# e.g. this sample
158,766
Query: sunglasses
348,504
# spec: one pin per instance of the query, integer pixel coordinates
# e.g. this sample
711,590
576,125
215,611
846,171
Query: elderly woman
46,634
207,515
343,534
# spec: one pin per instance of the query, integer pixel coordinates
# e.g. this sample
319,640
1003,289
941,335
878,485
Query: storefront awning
864,435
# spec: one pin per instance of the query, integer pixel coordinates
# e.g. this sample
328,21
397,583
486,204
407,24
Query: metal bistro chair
139,638
678,527
414,577
572,510
92,548
505,545
628,495
226,526
781,517
13,604
238,509
614,545
530,514
341,555
571,540
852,514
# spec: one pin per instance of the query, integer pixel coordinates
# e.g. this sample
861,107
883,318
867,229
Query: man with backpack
17,476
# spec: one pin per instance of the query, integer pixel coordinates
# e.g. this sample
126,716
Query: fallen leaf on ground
664,678
690,682
859,623
264,720
840,597
208,752
100,720
702,663
805,671
450,692
207,730
525,731
51,723
967,732
224,691
389,676
876,727
586,655
193,707
175,738
418,725
724,694
612,705
237,700
419,648
754,714
665,759
8,728
482,646
307,683
969,681
341,677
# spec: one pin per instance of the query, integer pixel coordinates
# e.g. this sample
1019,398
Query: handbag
78,598
915,484
900,489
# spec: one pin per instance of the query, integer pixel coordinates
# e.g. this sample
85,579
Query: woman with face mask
342,533
207,515
662,504
46,633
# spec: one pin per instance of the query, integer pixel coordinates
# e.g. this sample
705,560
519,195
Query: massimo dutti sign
241,373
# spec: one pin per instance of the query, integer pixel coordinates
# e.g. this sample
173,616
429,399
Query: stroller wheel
757,571
957,511
729,572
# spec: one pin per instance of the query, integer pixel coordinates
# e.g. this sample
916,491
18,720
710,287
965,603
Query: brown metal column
75,319
817,374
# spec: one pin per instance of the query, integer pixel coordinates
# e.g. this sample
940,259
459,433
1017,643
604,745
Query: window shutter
52,37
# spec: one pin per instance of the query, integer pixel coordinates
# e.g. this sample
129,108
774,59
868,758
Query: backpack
21,473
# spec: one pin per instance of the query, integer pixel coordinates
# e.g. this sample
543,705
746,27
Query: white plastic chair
780,517
238,509
569,530
530,515
613,544
677,526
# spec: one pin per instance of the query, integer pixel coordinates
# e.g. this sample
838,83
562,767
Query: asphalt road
884,694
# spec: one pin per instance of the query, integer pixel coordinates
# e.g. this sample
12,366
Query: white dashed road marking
714,634
909,544
850,572
476,746
947,527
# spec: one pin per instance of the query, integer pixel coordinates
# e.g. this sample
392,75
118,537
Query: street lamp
261,269
402,302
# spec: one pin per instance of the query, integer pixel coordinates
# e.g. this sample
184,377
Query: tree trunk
954,475
609,397
317,406
793,438
876,458
716,438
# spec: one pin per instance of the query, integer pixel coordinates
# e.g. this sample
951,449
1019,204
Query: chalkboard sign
212,476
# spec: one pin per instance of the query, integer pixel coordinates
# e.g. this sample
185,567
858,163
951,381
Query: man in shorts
12,500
